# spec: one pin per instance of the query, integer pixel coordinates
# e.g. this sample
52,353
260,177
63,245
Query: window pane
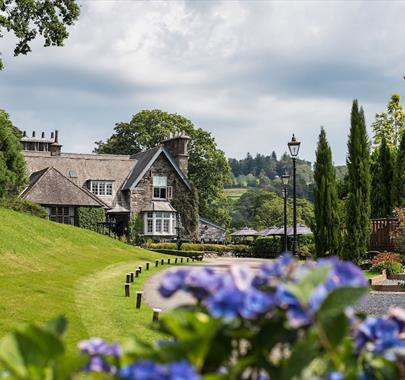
158,225
150,214
109,189
101,188
150,226
163,192
156,192
166,224
159,181
158,214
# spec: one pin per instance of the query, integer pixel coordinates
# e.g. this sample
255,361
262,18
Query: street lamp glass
294,146
284,178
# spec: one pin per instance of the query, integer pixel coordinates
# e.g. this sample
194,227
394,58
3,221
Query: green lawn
234,194
48,269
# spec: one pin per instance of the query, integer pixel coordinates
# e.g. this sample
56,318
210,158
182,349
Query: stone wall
210,233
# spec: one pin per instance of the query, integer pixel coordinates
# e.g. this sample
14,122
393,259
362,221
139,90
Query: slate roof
50,187
245,231
205,221
159,206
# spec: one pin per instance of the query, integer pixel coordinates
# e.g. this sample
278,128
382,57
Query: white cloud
250,72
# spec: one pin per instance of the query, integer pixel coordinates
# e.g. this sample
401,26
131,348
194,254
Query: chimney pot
52,135
25,134
56,135
33,133
43,135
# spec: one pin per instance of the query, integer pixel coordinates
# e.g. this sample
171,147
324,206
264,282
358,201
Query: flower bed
286,321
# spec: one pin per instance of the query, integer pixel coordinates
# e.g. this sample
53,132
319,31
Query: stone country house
148,183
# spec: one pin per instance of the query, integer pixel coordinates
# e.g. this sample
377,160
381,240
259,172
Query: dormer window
103,188
159,187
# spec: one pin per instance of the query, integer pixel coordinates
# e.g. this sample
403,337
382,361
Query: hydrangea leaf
339,299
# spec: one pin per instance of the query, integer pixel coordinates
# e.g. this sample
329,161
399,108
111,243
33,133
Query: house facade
148,183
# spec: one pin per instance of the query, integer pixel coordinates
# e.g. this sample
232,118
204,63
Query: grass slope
47,269
235,193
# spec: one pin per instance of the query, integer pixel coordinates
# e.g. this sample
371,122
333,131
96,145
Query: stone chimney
55,148
177,145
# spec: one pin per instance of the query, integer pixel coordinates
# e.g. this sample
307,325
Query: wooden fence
382,236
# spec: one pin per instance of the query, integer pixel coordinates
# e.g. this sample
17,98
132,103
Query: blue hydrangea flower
172,282
149,370
256,302
335,375
202,282
271,273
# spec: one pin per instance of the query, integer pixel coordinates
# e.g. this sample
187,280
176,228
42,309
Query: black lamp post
284,179
294,147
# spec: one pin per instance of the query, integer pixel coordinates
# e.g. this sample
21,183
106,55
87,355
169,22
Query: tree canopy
326,231
398,185
208,168
29,18
12,164
390,124
358,198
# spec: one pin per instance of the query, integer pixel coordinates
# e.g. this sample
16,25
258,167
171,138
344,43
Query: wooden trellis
382,236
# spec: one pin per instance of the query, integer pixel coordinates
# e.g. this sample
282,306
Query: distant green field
235,194
47,269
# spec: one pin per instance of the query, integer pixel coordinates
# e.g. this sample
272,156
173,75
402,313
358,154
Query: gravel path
374,303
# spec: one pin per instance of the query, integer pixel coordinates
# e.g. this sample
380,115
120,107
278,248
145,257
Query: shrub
391,267
267,247
217,248
175,252
135,230
386,257
24,206
89,217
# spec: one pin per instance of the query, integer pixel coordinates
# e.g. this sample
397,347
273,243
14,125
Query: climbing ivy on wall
186,204
88,217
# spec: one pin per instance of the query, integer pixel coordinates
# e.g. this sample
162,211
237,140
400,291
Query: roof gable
144,162
51,187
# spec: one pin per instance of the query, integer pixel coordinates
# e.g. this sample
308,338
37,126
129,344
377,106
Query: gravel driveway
375,303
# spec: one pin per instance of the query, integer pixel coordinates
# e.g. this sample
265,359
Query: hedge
267,247
89,217
24,206
175,252
217,248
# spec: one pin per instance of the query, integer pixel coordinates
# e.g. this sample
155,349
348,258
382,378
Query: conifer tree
398,185
382,176
12,163
326,230
359,179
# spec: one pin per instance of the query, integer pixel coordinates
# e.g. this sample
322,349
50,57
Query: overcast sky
250,72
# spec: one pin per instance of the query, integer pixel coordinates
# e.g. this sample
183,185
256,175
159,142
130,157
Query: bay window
159,223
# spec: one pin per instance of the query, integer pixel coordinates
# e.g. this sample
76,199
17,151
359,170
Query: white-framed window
160,223
62,214
101,187
159,187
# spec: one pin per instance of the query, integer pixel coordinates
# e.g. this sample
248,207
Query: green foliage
13,175
135,230
382,172
208,167
89,217
267,247
186,204
391,267
28,19
262,209
175,252
359,180
217,248
390,125
398,182
327,225
22,205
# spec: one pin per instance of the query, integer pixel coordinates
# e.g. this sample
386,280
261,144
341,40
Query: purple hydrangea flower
149,370
97,364
335,375
272,273
256,302
202,282
172,282
97,346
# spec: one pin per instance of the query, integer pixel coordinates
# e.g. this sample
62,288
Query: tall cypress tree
398,183
382,176
326,230
359,180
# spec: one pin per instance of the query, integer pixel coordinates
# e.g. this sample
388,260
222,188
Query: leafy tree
326,231
391,124
12,164
359,179
398,183
28,18
208,168
381,181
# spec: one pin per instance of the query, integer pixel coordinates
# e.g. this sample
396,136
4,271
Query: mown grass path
47,269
